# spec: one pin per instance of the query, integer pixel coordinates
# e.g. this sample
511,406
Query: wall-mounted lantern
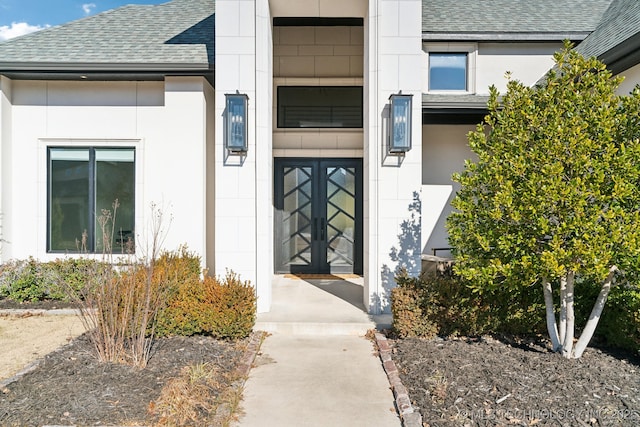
235,138
400,123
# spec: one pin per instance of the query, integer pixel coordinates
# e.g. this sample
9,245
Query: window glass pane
115,179
320,107
447,71
69,204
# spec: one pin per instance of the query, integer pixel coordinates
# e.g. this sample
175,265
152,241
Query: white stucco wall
5,164
444,150
489,62
631,79
393,55
166,122
527,62
243,217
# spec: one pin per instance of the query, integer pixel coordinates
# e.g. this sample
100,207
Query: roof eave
104,72
454,106
79,67
504,36
623,56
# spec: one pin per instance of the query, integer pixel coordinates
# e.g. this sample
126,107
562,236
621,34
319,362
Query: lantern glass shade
400,127
236,125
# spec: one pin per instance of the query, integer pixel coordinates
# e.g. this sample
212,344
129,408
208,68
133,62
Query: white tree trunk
567,344
552,326
562,322
594,317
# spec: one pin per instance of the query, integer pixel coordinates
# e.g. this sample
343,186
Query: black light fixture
235,138
400,123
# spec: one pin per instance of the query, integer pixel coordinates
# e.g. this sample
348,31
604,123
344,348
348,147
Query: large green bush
551,197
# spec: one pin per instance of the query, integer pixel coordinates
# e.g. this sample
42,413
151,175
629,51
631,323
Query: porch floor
319,305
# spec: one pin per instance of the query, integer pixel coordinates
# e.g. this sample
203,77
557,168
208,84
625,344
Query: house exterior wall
166,122
527,62
631,79
243,192
391,51
313,56
393,54
445,147
5,164
317,51
444,150
489,62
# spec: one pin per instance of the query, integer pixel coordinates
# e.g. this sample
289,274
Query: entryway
318,215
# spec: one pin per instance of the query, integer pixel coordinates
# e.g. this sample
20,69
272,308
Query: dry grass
201,395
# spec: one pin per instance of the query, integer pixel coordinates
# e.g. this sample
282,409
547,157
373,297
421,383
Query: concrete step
319,306
324,328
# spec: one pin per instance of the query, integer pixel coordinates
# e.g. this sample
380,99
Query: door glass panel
341,216
296,216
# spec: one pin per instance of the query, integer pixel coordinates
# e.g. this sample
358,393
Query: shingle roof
617,38
437,100
502,17
175,34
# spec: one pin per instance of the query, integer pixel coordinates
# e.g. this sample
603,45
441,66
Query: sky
18,17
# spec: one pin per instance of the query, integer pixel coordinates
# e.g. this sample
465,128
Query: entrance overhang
324,8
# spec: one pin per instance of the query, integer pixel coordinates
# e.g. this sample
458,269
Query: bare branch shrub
119,305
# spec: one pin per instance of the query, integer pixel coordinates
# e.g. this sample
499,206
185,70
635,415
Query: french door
318,215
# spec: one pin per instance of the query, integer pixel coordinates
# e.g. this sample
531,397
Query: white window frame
471,49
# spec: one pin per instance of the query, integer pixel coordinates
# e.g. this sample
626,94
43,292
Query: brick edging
250,353
409,417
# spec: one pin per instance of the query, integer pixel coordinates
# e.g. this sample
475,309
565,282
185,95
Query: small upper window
448,71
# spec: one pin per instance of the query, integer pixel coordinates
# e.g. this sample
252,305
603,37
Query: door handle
315,229
322,229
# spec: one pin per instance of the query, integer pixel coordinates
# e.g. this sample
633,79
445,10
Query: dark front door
318,218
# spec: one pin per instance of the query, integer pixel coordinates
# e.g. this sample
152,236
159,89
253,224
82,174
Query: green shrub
61,280
220,307
177,267
449,305
229,308
409,318
22,281
619,325
437,304
180,316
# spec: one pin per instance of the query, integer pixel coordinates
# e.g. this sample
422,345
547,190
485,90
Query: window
320,107
451,67
448,71
83,186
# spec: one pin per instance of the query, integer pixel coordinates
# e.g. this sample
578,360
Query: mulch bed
71,387
507,382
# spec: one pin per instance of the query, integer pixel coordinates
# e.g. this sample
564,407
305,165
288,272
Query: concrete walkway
316,368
